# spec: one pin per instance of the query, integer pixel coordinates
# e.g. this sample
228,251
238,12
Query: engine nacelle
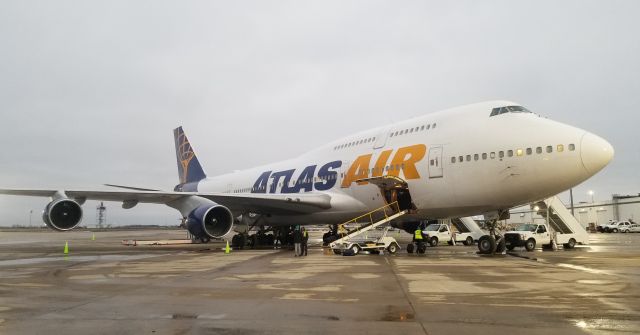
62,214
212,221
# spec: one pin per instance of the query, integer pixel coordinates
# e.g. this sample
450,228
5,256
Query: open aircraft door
435,162
393,189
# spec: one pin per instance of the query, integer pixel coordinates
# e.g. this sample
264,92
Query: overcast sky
91,90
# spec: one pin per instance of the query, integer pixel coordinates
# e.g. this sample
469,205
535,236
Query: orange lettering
358,170
406,159
378,169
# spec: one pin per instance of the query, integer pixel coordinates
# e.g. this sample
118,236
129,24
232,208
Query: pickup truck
436,233
530,235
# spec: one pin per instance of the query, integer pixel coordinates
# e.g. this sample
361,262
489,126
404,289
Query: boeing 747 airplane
477,159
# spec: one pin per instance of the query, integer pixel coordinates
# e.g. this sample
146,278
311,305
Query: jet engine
210,220
62,214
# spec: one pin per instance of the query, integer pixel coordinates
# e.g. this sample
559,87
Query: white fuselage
507,160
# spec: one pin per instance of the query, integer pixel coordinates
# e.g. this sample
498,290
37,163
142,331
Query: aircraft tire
501,246
422,249
410,248
487,245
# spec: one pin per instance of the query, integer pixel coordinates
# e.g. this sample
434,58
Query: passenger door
435,162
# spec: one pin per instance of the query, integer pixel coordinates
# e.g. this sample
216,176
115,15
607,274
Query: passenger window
510,153
411,130
468,158
422,128
453,159
519,152
529,152
434,126
475,157
460,159
560,148
549,149
431,162
428,126
492,155
484,155
501,154
539,150
572,147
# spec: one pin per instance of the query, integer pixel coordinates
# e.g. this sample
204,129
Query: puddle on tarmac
39,260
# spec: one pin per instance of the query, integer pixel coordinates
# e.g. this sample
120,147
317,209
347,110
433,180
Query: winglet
189,168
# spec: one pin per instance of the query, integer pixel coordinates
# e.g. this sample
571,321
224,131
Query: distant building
619,208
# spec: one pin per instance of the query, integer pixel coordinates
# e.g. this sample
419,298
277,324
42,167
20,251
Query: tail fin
189,168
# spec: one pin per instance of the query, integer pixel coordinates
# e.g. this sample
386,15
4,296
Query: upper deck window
508,109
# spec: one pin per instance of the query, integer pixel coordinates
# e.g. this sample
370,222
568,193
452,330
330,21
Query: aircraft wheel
410,247
487,245
205,239
530,244
422,249
501,245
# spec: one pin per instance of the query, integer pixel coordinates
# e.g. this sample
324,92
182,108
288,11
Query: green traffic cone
227,249
66,248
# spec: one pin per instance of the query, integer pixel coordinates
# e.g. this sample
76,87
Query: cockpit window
508,109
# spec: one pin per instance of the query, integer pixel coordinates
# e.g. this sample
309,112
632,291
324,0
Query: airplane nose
595,152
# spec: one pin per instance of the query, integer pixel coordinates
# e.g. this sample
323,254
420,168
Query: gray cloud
89,91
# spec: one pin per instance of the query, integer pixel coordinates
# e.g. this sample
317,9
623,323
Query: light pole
30,215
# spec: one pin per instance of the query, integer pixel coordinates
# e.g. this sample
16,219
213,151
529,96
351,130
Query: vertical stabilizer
189,168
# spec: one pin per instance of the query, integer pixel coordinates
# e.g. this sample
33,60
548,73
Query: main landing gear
492,243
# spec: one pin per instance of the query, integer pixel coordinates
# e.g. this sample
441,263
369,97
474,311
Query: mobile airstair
568,231
468,230
367,222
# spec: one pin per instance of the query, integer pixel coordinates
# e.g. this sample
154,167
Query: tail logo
185,154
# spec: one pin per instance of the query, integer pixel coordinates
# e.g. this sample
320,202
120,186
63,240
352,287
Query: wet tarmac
103,287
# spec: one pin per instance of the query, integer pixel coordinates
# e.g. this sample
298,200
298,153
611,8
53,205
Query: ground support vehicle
437,233
468,231
380,245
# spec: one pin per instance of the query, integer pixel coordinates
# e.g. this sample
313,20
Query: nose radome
595,152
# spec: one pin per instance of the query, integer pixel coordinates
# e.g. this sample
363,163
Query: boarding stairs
369,221
467,225
558,217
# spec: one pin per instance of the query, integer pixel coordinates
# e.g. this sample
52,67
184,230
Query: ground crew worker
297,241
305,239
417,238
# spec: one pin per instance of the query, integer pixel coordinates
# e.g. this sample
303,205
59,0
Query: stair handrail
393,206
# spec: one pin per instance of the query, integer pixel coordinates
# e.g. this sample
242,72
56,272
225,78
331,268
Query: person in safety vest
417,237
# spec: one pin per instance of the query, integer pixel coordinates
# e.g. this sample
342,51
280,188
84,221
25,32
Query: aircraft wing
279,204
